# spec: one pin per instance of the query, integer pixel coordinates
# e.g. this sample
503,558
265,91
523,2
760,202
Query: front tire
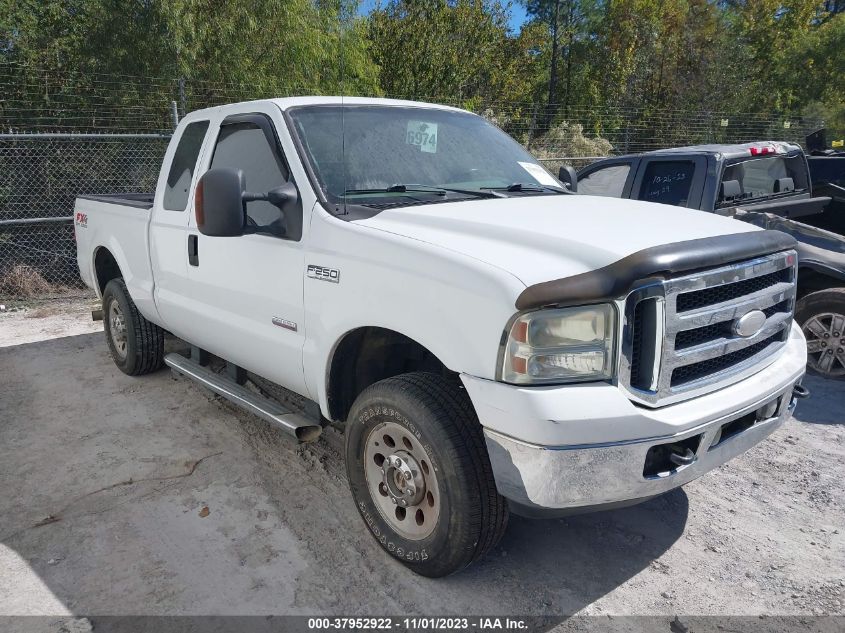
136,344
420,474
821,316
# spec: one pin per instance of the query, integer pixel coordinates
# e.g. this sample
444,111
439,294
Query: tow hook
685,459
800,392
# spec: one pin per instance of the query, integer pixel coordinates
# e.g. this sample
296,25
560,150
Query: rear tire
453,513
821,316
136,344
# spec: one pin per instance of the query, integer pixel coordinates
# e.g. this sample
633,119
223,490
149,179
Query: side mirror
219,203
568,177
278,197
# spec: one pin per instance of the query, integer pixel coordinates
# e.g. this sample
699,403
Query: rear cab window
761,178
182,167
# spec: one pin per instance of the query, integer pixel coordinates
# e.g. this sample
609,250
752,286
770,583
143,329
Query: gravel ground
150,496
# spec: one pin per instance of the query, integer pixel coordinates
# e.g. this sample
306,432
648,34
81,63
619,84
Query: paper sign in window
422,135
540,174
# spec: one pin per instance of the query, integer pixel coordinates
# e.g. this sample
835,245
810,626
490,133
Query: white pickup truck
487,340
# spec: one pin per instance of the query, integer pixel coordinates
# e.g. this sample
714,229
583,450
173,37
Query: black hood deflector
617,279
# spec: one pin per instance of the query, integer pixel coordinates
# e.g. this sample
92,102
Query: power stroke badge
325,274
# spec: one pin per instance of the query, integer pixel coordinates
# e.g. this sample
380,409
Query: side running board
299,426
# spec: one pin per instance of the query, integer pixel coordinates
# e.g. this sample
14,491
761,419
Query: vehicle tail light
762,151
765,150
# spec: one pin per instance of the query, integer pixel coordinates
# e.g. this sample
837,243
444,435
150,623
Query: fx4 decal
82,219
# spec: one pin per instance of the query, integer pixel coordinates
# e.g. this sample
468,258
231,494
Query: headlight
561,345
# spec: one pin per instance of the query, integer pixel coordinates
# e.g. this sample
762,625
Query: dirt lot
149,496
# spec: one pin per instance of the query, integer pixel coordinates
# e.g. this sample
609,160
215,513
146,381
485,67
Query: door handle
193,250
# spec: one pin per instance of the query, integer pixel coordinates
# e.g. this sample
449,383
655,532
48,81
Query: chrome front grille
679,338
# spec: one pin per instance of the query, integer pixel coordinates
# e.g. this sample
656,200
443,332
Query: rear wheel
136,344
420,474
821,316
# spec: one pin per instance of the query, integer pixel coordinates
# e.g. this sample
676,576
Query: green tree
569,24
459,50
222,50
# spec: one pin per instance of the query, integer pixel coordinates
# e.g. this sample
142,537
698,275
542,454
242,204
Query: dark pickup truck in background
767,184
827,174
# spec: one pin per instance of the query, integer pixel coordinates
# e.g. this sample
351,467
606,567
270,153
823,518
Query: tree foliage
459,50
637,56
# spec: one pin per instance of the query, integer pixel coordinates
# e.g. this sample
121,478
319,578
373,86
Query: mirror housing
566,174
219,203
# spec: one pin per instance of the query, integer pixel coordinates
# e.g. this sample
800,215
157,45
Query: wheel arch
368,354
813,276
106,268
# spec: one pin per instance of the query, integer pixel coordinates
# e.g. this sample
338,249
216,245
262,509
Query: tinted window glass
667,182
762,177
182,168
244,146
608,181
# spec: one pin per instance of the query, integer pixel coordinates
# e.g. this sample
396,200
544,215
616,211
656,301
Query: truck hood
540,238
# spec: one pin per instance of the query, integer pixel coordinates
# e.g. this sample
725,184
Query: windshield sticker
423,135
540,174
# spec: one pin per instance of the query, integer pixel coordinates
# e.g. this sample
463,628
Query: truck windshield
395,155
762,178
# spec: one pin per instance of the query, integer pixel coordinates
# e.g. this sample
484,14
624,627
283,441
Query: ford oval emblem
749,324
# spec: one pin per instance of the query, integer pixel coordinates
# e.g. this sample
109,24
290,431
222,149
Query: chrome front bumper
548,480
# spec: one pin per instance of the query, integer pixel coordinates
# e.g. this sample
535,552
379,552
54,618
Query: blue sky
517,11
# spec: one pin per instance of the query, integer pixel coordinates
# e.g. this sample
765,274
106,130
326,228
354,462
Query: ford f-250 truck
766,183
487,340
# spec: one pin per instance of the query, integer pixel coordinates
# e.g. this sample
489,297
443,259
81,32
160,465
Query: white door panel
240,285
172,211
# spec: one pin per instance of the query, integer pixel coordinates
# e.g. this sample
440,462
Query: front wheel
420,474
821,316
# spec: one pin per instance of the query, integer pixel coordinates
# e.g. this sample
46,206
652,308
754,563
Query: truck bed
120,224
137,200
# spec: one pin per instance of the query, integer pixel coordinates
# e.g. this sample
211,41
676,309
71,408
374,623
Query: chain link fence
41,176
90,134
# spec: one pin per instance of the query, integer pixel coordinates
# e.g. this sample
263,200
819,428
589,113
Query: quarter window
177,189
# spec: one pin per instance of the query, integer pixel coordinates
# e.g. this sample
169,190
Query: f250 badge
323,273
82,219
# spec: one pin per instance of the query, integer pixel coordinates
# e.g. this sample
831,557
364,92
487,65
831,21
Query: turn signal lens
198,199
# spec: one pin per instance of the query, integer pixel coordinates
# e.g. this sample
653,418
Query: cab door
172,210
247,291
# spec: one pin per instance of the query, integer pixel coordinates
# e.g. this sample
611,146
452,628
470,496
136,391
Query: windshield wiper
416,188
526,186
400,189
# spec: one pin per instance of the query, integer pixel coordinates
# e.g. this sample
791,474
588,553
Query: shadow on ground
146,496
826,404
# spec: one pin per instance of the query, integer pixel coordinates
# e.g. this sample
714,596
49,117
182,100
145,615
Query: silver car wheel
401,481
825,334
117,329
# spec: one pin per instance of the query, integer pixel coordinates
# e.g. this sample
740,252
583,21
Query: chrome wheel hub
825,334
401,481
117,328
402,477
